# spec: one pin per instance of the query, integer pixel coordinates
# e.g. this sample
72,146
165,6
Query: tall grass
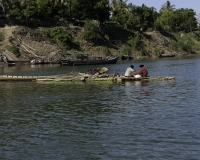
13,50
2,38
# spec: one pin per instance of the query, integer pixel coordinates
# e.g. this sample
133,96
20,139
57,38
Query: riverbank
29,43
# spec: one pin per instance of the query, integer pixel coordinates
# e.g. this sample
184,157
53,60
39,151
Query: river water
104,120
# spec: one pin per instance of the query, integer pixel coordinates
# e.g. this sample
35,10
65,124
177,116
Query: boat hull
126,57
95,62
18,62
166,55
11,64
46,62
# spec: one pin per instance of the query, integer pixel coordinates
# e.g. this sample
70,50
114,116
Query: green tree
91,31
167,6
16,11
60,36
176,19
102,11
120,12
5,4
30,11
189,20
148,16
167,18
93,10
134,17
45,10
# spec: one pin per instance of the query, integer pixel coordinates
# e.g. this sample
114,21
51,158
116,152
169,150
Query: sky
193,4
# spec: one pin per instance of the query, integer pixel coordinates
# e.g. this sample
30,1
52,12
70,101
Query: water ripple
132,120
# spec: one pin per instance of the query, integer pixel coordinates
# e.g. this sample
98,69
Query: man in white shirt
129,71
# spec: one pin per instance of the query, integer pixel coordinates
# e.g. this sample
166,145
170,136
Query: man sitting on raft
129,71
143,71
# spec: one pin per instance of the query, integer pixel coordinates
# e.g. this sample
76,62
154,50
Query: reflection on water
130,120
136,83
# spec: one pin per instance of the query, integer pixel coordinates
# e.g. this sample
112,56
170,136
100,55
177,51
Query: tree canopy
118,11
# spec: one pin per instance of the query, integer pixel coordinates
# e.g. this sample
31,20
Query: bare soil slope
29,46
7,31
32,46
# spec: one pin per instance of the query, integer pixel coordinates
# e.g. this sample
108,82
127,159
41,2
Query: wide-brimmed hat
141,65
132,66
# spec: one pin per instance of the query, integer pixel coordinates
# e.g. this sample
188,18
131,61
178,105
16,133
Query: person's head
141,66
132,66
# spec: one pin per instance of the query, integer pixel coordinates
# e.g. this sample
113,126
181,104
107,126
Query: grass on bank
13,50
185,42
2,38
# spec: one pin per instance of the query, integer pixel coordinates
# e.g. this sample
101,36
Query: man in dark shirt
143,71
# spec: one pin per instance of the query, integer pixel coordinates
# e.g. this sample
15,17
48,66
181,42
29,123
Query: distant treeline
117,11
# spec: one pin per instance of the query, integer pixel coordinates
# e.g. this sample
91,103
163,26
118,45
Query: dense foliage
58,35
90,31
103,11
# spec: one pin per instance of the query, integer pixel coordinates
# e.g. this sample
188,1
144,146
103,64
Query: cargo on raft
96,74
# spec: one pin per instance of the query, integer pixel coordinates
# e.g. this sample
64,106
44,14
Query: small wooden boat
66,63
11,64
110,60
126,57
42,61
93,61
45,62
18,62
166,55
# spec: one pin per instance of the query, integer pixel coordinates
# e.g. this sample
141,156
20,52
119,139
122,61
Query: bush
149,30
135,43
58,35
187,47
178,46
105,50
45,33
126,50
158,51
185,42
91,31
174,45
144,52
13,50
2,38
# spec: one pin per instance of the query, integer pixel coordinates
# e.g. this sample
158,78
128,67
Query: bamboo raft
80,77
9,78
